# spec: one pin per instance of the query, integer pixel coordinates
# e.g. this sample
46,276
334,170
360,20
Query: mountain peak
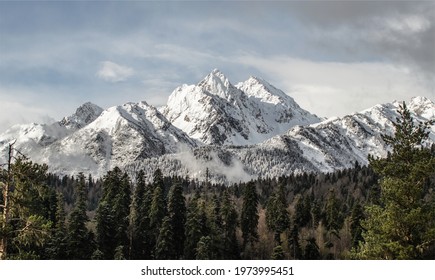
259,88
422,106
84,115
217,83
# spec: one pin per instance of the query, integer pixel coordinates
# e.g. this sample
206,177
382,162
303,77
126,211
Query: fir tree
195,227
158,179
402,225
141,235
278,253
277,216
333,217
229,228
249,216
356,229
79,243
203,249
157,213
105,231
177,216
27,211
58,245
165,241
113,214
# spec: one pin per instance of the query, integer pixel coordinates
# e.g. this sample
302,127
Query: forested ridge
381,211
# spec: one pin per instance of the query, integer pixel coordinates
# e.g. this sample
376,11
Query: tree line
380,211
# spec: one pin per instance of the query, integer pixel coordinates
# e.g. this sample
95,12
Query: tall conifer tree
402,225
249,216
177,216
79,239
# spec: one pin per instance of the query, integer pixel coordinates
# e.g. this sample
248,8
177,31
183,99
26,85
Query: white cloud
112,72
336,89
15,112
408,24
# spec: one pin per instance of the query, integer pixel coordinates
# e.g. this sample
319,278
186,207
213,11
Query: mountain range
237,132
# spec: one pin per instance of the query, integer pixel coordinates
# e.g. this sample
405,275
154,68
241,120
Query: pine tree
402,225
158,180
157,213
356,229
79,242
311,250
278,253
121,210
165,241
177,216
203,249
27,218
105,231
113,214
277,216
333,217
196,227
58,245
293,241
228,213
249,216
141,235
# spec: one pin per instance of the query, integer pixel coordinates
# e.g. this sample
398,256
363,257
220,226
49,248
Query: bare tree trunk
6,207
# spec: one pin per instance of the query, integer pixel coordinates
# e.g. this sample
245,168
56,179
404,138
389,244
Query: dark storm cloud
398,31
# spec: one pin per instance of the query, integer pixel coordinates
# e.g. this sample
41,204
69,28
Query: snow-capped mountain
31,138
216,112
119,136
237,132
84,115
333,144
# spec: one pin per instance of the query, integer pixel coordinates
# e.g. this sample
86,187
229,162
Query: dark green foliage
141,235
311,250
177,216
113,214
249,216
158,180
58,245
356,229
278,253
302,213
79,239
30,211
196,227
204,249
294,246
277,216
105,230
165,241
333,217
228,213
157,213
402,224
119,253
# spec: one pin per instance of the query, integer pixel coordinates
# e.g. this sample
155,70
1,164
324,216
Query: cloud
114,73
335,89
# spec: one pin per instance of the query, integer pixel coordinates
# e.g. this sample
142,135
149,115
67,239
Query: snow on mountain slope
84,115
31,138
119,136
340,142
333,144
217,112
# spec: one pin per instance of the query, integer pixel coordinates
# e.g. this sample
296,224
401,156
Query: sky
333,57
